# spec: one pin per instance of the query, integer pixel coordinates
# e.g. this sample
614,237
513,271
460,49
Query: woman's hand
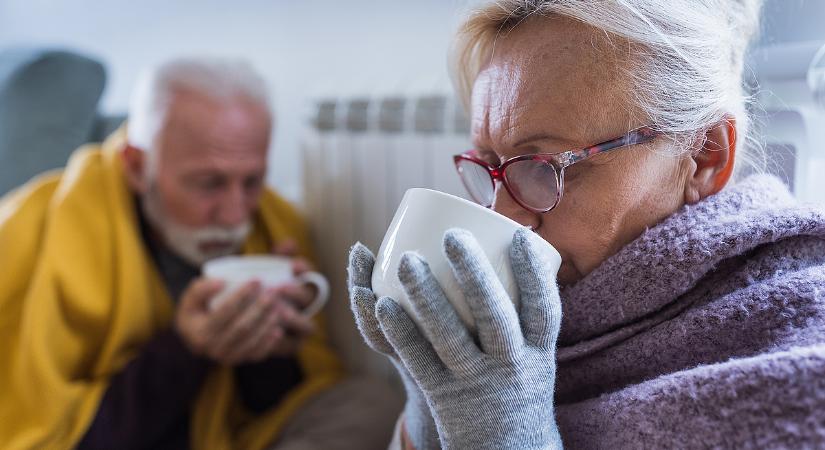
497,393
419,425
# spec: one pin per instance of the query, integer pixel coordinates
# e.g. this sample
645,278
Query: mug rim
450,197
242,265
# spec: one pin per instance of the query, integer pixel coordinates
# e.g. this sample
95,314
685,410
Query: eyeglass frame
559,162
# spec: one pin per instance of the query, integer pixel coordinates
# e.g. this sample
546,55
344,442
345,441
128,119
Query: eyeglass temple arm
633,137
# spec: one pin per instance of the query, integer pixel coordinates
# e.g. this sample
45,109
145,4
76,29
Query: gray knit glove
418,420
497,393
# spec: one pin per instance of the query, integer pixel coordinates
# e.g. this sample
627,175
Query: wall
792,21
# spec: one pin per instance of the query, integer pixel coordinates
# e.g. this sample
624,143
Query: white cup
419,225
271,271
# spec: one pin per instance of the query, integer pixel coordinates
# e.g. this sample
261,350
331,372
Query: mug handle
322,285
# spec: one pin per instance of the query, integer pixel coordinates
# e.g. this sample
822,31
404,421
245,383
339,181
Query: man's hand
245,328
253,324
295,327
291,299
300,295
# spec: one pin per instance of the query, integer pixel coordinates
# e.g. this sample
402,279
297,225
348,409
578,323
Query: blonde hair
687,61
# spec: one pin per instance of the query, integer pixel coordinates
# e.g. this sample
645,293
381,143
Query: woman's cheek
568,274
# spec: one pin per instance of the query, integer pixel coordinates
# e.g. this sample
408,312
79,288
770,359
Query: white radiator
360,156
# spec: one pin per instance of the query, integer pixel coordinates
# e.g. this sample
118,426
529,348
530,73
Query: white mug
270,270
419,225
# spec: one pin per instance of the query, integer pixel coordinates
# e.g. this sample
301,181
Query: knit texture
419,423
484,391
708,331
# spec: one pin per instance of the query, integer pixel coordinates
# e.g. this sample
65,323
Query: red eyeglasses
535,181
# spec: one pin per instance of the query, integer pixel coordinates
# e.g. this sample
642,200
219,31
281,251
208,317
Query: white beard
187,242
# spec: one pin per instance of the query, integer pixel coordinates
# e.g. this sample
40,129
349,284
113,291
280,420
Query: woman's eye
572,172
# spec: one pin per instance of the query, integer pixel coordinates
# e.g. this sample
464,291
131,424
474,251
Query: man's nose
233,210
504,204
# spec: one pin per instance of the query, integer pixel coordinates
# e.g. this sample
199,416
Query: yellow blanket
79,295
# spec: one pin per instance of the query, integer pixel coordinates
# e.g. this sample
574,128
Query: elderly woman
693,307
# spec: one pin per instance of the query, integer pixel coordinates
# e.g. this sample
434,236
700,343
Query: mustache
221,234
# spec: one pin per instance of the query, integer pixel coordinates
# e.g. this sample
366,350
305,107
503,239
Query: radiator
359,157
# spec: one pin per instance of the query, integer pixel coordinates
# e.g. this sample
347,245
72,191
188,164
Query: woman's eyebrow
543,137
483,151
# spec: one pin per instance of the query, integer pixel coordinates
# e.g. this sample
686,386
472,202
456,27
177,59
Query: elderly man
106,335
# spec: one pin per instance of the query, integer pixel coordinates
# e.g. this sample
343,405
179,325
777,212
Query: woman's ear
712,161
135,163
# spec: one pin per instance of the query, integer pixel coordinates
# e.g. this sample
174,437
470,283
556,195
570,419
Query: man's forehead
199,110
215,131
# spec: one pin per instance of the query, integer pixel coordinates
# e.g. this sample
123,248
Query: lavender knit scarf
708,331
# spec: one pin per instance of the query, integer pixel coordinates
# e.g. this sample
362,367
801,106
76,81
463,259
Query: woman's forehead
554,76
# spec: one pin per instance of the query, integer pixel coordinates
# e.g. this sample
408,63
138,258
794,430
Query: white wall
304,48
792,21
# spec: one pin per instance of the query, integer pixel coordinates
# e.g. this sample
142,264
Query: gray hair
219,79
686,68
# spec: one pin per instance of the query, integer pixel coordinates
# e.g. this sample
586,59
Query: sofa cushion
48,108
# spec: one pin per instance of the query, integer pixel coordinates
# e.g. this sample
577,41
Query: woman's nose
504,204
